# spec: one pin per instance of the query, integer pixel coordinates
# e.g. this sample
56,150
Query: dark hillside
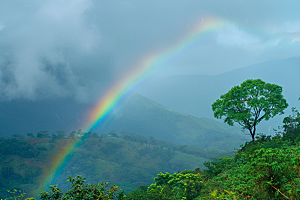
128,160
136,114
146,117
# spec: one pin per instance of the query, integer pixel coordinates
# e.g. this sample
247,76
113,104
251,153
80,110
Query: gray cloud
233,36
291,27
34,46
78,48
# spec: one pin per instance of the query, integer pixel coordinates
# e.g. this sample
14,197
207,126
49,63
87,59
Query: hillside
128,160
136,114
143,116
194,94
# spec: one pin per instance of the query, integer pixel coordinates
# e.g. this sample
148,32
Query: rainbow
121,88
124,86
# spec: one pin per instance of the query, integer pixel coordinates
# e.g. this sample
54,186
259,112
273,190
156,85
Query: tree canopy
250,103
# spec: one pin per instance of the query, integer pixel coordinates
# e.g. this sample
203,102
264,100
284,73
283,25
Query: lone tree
249,103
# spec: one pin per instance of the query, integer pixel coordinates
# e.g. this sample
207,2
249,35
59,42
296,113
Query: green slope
135,114
128,160
144,116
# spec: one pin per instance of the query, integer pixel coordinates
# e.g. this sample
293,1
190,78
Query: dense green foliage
19,147
250,103
126,159
79,191
267,168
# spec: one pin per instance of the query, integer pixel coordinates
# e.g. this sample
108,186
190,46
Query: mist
76,49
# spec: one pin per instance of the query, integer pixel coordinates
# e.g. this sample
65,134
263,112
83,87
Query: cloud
35,44
279,42
290,27
231,35
296,37
283,48
288,31
76,48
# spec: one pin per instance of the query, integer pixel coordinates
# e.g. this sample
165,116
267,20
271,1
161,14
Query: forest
139,167
127,159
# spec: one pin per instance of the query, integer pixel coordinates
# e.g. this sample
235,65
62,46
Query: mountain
135,114
194,94
146,117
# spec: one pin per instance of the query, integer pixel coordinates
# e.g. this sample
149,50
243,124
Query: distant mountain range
136,114
194,94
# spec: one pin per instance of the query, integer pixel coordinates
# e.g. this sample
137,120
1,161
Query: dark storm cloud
77,48
36,37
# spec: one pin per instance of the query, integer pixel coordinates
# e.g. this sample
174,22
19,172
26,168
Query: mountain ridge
194,94
135,114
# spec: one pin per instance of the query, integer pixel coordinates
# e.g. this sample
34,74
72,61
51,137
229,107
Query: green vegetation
143,116
250,103
265,168
80,191
136,114
126,159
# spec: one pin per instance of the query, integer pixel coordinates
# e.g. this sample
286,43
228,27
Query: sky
77,48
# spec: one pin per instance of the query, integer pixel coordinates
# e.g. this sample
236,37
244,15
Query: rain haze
76,48
119,91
